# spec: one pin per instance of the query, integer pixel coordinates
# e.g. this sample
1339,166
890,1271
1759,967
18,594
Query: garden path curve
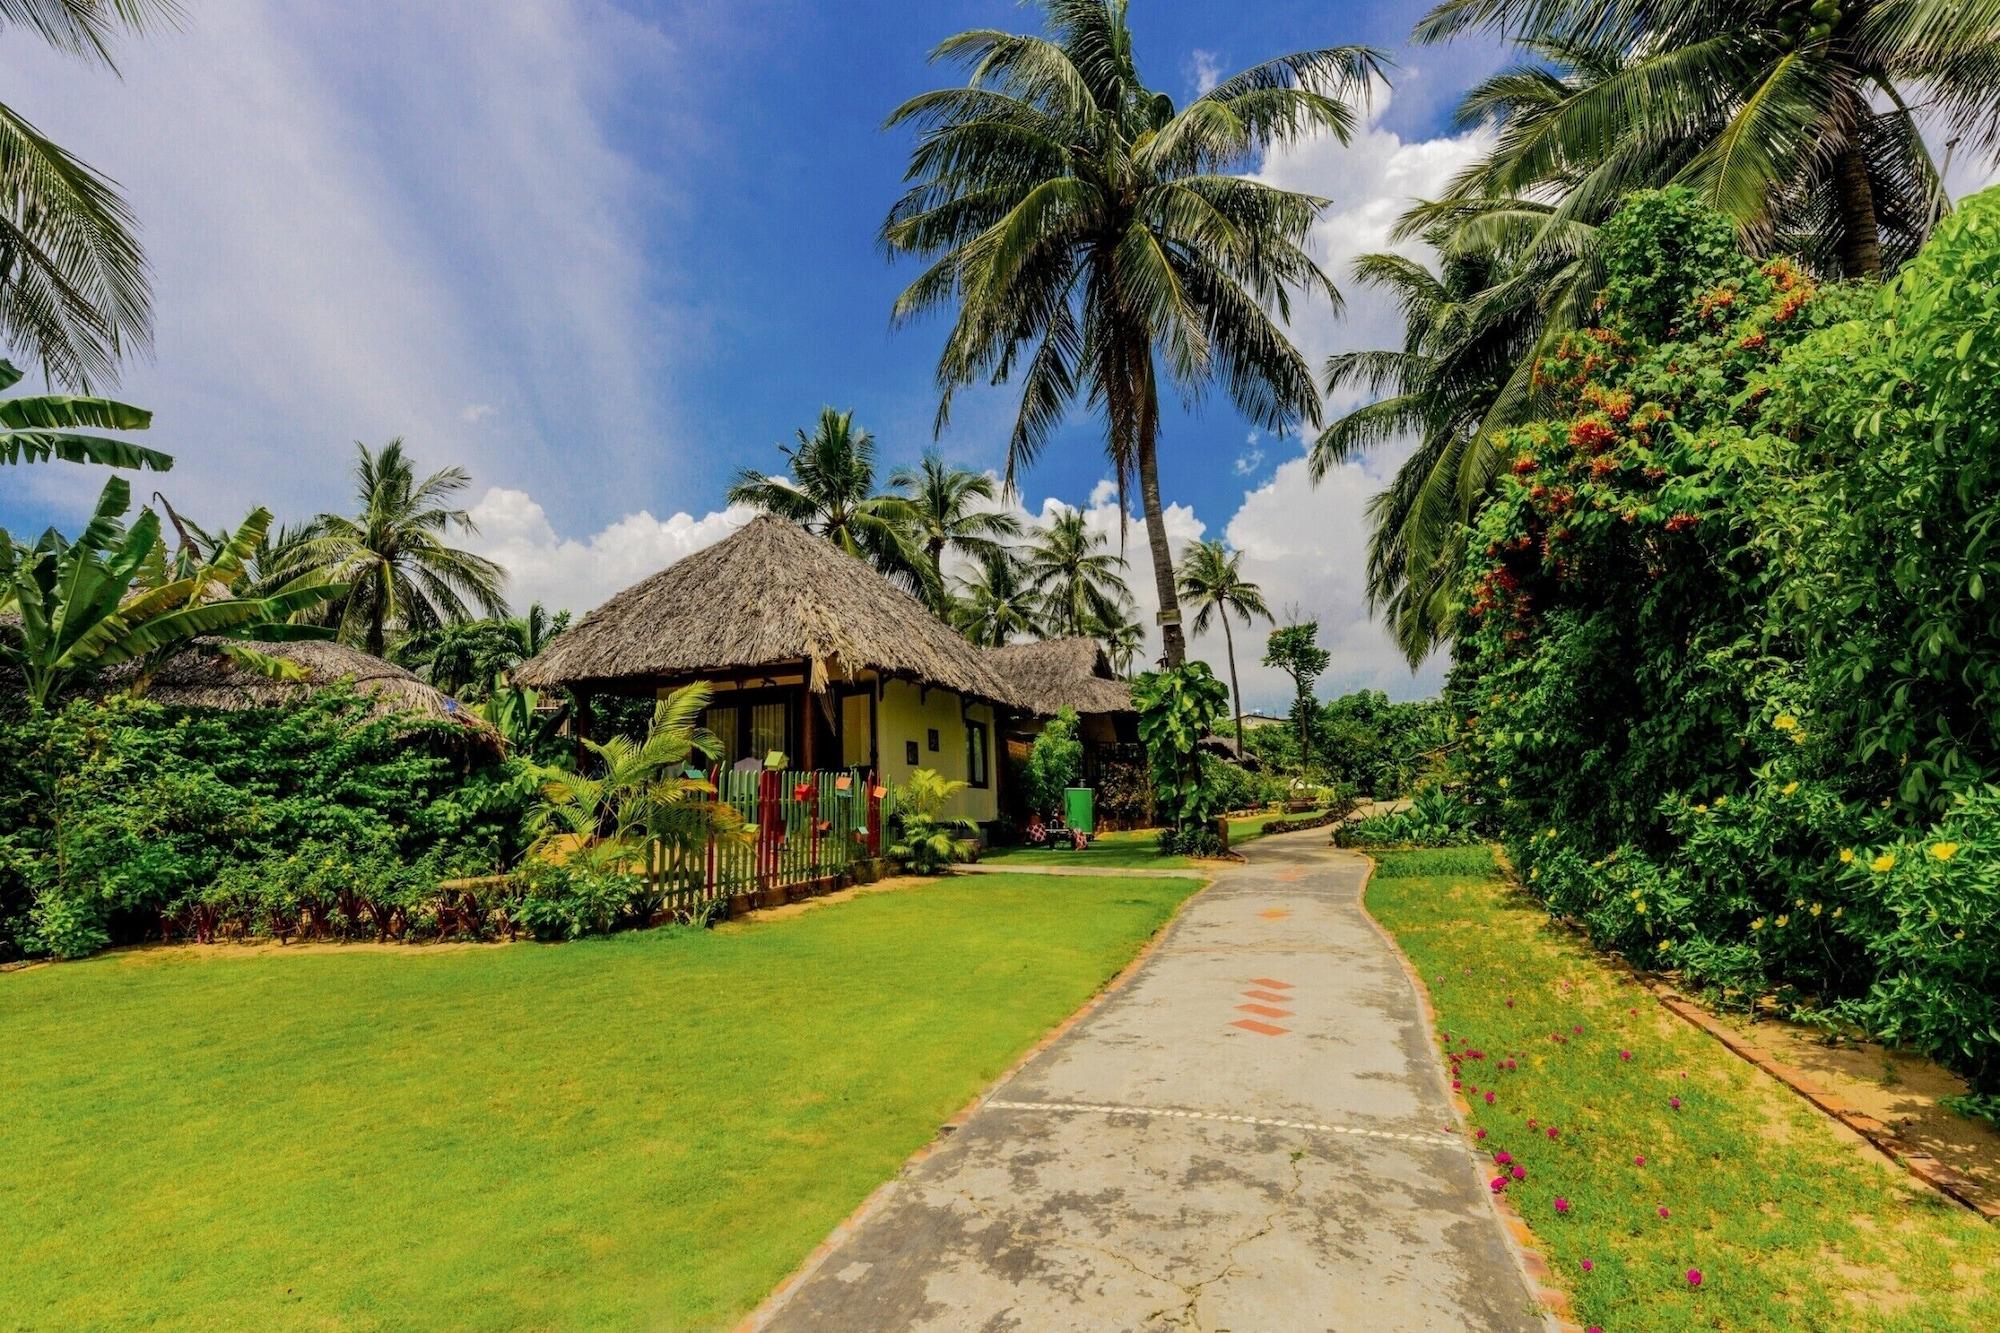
1253,1133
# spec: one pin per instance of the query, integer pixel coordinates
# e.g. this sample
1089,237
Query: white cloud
1204,70
1249,461
362,224
578,574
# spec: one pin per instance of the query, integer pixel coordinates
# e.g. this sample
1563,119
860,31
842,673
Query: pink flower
1498,1184
1454,1085
1503,1157
1674,1102
1472,1087
1520,1173
1694,1277
1510,1066
1478,1133
1587,1265
1531,1122
1663,1210
1578,1029
1640,1160
1489,1099
1553,1132
1624,1055
1562,1206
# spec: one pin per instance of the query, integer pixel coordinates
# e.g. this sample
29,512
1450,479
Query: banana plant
38,427
110,596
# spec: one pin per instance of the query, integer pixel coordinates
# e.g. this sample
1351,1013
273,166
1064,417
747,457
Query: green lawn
1789,1226
1133,849
650,1129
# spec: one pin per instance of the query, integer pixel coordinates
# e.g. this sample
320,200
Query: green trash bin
1080,809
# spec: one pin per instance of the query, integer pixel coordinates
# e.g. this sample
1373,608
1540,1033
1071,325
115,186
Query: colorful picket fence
804,825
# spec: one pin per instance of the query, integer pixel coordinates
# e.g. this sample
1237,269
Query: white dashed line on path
1273,1122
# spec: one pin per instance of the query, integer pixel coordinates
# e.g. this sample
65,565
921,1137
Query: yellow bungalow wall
908,712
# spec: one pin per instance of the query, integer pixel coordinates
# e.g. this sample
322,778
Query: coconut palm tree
951,510
1081,586
1099,240
997,606
394,554
830,490
73,289
1121,639
1799,122
1212,582
1468,328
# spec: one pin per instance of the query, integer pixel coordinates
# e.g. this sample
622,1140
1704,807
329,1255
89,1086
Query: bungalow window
722,721
767,730
977,771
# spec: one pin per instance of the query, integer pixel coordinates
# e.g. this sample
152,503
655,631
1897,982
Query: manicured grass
651,1129
1789,1226
1130,849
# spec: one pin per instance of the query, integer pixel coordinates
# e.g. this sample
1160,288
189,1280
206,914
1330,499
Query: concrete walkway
1252,1134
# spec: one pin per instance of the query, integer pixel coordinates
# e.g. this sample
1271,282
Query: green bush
126,819
1177,708
568,900
1055,763
1435,818
1729,631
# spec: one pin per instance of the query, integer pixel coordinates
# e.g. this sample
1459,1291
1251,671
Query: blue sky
603,256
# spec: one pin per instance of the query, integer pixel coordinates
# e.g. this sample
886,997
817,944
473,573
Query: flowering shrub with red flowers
1731,622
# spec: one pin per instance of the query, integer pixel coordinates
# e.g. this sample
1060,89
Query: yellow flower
1536,873
1838,912
1661,947
1798,738
1784,921
1701,809
1640,908
1551,835
1758,924
1944,851
1785,722
1789,788
1721,801
1847,856
1503,784
1816,909
1885,861
1959,936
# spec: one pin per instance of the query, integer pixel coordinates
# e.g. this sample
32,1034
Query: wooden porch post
580,723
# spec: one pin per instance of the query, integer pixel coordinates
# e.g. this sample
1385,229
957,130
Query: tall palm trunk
1860,240
1173,642
1235,690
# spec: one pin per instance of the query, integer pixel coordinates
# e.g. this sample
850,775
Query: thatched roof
1225,747
200,677
771,594
1053,674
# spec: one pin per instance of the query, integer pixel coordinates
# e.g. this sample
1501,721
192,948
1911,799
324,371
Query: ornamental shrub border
1729,636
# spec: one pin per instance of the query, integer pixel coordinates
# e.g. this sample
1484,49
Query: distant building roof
1049,675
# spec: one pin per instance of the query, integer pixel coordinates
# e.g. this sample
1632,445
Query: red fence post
770,824
874,816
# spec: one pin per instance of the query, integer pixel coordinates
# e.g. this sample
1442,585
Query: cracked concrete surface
1124,1181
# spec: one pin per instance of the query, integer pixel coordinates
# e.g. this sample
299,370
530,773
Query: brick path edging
1535,1267
768,1308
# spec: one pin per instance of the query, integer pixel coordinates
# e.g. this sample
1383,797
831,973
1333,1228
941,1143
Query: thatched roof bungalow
812,653
199,676
1049,675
